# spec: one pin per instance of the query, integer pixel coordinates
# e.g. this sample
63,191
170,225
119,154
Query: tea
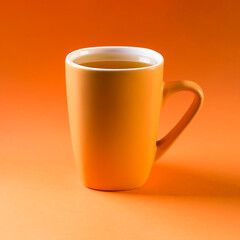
115,64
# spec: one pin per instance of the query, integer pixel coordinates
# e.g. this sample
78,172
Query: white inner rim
114,53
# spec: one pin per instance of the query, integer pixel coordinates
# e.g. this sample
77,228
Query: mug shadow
170,180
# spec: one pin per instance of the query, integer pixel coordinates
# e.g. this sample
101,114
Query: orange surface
192,193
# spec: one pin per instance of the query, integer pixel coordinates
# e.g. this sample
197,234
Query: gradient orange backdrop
193,191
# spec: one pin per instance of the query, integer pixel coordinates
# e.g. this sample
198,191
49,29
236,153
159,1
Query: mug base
113,189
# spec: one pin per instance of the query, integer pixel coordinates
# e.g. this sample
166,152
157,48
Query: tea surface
115,64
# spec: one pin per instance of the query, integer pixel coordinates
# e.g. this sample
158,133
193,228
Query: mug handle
168,89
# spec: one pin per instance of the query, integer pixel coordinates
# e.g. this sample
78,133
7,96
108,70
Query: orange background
193,191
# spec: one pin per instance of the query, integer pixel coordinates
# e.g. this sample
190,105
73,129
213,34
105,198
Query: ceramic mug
114,115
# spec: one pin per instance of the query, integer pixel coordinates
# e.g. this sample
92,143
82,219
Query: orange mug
114,115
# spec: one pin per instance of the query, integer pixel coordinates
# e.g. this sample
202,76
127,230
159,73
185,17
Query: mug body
114,115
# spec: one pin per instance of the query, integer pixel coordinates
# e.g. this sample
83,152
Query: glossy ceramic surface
114,115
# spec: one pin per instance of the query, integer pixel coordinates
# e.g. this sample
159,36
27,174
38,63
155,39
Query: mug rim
157,57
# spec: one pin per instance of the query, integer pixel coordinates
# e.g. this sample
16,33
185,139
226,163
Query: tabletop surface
189,195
